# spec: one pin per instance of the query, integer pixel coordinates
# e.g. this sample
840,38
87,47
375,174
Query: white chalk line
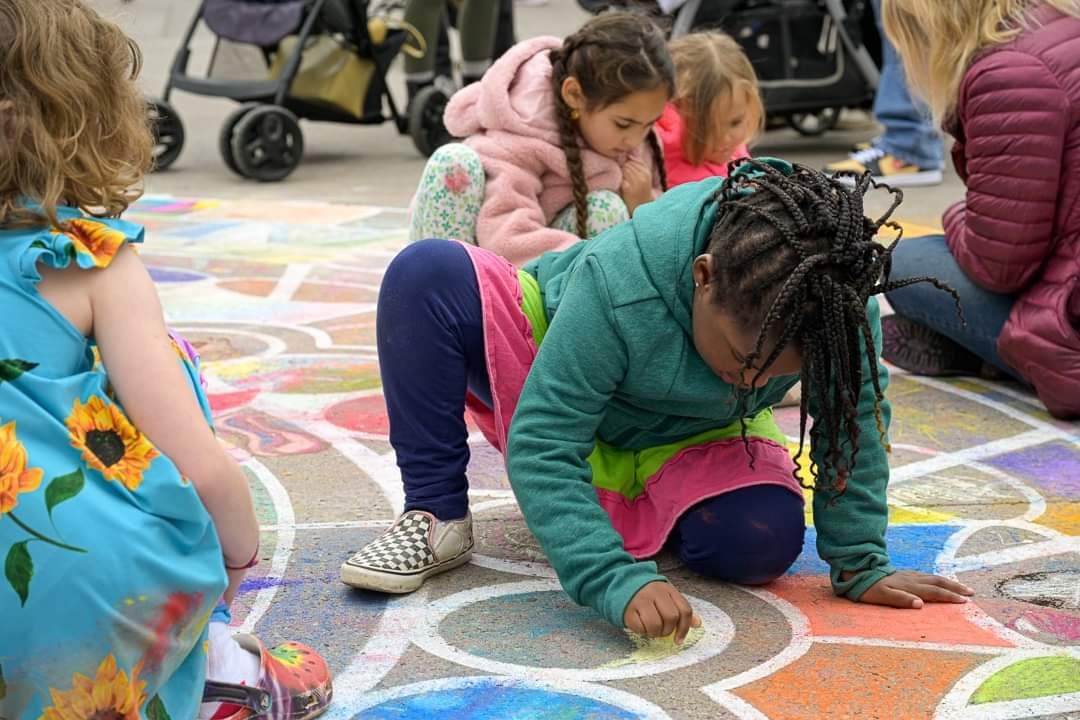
283,547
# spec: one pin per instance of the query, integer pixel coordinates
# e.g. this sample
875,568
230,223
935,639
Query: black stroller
321,60
813,58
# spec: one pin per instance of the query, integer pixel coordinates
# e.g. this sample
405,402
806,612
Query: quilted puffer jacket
1017,231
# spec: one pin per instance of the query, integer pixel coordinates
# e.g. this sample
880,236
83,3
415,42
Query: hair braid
568,138
611,56
795,262
658,159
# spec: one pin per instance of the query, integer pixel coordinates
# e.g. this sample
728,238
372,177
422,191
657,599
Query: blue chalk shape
488,701
911,547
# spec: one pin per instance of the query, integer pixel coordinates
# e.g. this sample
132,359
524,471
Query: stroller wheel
267,143
812,124
168,133
426,120
228,129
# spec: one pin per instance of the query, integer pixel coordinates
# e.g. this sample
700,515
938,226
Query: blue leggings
431,351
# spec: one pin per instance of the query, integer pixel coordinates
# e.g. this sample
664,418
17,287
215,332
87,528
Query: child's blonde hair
708,67
73,123
938,40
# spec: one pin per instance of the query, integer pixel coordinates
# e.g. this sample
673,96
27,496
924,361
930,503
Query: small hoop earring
575,115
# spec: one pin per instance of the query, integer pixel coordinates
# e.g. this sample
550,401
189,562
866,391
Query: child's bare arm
129,328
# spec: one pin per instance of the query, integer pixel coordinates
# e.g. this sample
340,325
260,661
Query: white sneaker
417,546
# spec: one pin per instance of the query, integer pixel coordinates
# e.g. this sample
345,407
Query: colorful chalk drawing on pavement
280,299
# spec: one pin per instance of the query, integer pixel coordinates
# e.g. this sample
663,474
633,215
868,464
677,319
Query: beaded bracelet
250,563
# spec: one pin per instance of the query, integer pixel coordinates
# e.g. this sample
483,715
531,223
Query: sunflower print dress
111,564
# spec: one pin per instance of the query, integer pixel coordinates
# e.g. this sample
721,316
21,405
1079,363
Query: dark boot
921,351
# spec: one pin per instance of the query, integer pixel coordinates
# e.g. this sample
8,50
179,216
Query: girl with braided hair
558,142
630,380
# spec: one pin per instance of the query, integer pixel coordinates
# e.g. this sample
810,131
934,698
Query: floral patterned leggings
447,203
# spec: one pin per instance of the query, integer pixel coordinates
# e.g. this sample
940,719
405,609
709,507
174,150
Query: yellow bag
330,73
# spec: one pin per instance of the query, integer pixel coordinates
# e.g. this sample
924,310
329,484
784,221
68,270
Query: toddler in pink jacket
558,142
716,111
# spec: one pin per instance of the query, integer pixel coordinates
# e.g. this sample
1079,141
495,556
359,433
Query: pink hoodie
672,129
509,119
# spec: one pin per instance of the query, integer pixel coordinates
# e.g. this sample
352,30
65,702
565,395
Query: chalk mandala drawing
280,299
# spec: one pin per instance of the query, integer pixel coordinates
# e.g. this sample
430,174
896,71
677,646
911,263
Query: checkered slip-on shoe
417,546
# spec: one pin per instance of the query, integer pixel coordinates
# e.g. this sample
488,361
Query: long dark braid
611,56
795,262
658,158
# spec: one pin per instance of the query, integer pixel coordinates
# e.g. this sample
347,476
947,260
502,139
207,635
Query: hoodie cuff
877,567
619,596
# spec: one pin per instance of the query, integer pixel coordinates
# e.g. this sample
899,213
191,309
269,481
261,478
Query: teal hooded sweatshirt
618,363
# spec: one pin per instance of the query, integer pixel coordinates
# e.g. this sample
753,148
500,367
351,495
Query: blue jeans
984,311
430,334
909,132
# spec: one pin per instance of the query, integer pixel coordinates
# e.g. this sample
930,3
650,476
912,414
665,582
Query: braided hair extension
611,56
795,262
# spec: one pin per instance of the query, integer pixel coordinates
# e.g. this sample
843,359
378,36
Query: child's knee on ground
749,536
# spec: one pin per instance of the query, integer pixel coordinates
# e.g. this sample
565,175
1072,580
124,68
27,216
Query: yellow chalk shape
647,649
917,516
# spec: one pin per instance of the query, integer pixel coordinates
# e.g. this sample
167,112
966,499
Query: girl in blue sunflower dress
125,527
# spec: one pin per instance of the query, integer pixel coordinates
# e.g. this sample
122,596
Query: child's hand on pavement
908,589
657,610
636,187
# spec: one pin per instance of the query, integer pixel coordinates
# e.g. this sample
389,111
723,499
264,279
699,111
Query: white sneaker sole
396,583
919,179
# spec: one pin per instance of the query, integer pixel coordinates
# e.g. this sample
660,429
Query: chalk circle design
502,698
719,631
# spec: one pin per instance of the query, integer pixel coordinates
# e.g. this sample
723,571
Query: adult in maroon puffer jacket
1006,74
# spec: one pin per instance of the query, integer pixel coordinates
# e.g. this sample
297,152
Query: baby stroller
813,58
321,60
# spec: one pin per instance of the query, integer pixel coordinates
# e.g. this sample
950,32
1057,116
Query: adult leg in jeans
910,151
927,334
909,131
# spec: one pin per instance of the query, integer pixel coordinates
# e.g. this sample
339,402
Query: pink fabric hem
694,474
509,347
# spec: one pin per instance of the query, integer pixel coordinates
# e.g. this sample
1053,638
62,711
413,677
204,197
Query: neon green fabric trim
627,471
532,304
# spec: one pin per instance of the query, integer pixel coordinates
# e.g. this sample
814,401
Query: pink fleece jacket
672,130
509,119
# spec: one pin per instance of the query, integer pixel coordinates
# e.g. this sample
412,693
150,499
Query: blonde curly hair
74,125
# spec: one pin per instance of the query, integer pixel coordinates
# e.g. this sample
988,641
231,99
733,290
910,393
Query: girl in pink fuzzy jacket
716,112
558,142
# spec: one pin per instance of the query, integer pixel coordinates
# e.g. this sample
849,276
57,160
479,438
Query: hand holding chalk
658,609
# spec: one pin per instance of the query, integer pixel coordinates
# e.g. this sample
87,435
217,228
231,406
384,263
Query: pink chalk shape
1061,625
363,414
834,616
224,402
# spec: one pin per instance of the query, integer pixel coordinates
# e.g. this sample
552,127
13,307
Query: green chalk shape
1037,677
